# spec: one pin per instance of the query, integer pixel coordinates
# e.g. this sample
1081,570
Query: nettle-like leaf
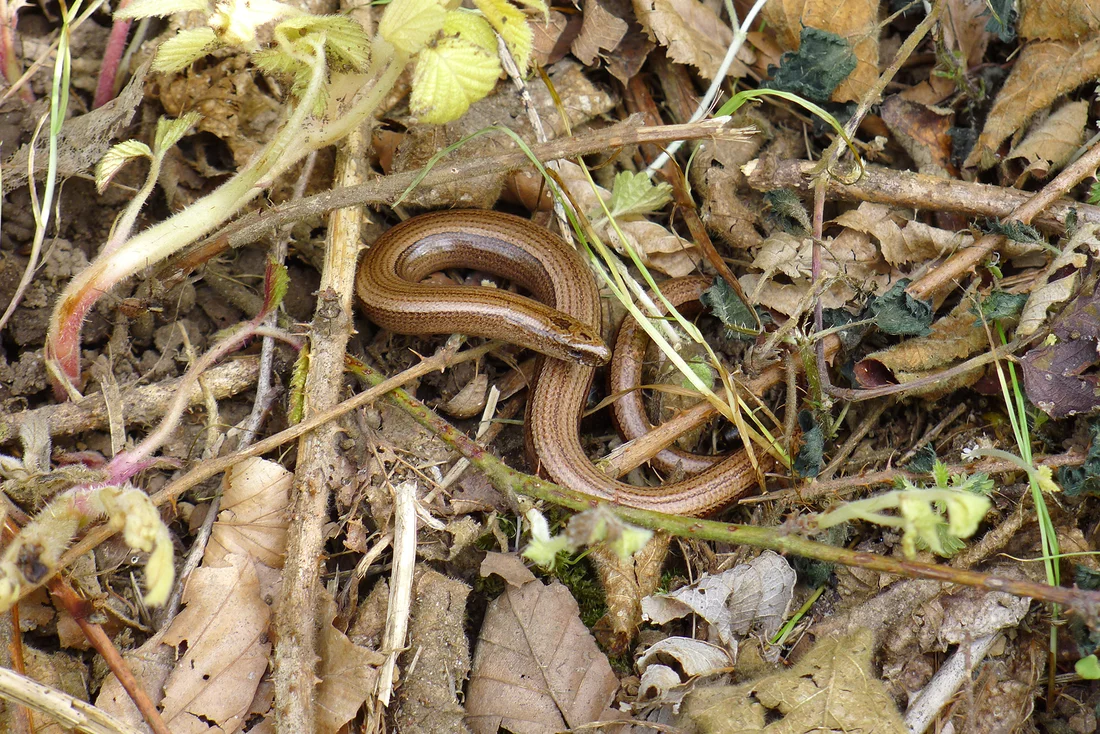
472,27
635,193
450,77
347,49
169,130
159,8
115,158
347,46
409,25
511,23
186,47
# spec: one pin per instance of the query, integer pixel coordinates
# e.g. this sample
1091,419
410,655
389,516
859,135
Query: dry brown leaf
671,668
848,261
537,668
225,626
601,32
348,673
954,338
854,20
1058,19
1069,265
964,30
831,689
1050,145
253,520
553,37
924,133
226,618
692,33
508,566
1043,72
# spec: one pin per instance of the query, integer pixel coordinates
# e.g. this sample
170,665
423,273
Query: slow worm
561,321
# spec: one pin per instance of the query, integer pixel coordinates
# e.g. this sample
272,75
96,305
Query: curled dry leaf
848,261
692,33
625,582
1046,293
752,595
1043,72
671,668
1050,144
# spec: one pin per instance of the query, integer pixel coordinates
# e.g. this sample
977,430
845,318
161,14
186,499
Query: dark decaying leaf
898,313
1062,378
822,62
1084,479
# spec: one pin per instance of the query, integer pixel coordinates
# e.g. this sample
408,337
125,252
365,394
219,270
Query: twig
71,712
144,404
319,468
964,262
909,190
401,582
257,225
840,488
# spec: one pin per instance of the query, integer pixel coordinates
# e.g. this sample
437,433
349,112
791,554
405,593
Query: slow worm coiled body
561,321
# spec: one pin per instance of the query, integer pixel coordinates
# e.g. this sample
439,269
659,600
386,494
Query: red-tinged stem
112,55
80,609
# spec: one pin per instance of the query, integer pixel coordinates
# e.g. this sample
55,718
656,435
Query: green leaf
1094,193
347,46
727,306
410,24
186,47
635,193
1088,667
449,78
1016,231
115,158
510,22
923,461
1085,479
472,27
898,313
159,8
169,130
822,62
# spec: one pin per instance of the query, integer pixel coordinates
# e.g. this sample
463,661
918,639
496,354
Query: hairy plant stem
161,240
781,540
